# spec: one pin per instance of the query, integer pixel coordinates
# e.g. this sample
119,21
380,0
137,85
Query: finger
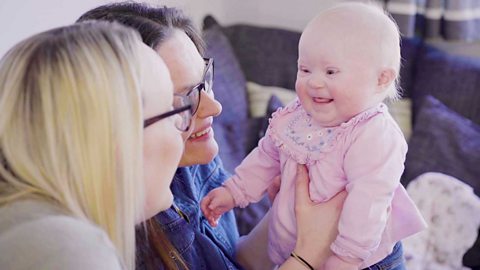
274,188
339,199
301,186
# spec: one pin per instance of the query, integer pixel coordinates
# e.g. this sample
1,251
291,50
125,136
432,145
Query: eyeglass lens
183,121
207,85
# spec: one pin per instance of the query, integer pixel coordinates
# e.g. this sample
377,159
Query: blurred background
20,19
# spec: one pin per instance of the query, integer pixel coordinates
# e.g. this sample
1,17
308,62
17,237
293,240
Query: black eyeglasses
182,122
207,85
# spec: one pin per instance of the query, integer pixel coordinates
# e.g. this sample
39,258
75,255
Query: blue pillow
229,86
452,79
443,141
268,56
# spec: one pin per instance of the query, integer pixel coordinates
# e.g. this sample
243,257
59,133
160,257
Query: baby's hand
217,202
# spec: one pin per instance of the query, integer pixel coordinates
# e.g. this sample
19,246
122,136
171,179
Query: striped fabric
446,19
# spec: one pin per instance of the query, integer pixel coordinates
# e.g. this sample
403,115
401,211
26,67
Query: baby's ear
385,78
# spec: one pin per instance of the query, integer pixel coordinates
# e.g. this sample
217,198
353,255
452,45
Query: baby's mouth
322,100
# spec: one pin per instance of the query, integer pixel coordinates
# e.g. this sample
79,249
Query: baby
348,63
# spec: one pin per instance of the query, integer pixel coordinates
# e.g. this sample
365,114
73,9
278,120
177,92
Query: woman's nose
209,106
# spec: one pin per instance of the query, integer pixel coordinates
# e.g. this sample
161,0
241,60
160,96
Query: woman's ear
385,78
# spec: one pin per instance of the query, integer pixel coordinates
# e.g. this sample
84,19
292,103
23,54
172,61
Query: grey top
35,234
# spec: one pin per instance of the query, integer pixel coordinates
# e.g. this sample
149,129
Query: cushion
409,49
229,88
259,97
259,124
443,141
401,111
452,213
268,56
454,80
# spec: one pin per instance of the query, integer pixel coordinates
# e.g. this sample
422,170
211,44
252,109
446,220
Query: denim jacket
201,246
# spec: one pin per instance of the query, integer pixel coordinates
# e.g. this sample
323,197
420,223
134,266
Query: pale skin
340,74
162,141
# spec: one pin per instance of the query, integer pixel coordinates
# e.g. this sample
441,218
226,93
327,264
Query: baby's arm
373,165
217,202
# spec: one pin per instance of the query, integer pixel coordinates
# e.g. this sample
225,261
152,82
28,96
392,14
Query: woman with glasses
181,232
72,186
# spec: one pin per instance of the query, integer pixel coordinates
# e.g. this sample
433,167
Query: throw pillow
443,141
268,56
229,88
452,213
259,124
454,80
259,96
409,57
401,111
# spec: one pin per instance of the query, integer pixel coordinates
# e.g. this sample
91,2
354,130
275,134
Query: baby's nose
316,81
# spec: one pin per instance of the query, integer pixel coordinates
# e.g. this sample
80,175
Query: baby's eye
303,70
331,71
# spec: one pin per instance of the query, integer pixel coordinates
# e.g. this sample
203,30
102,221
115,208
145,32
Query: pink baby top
365,156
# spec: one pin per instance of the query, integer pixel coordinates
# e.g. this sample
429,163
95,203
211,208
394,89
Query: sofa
255,71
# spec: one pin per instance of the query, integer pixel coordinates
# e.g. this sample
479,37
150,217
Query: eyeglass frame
152,120
209,65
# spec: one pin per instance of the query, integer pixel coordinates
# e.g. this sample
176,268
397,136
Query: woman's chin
196,153
163,202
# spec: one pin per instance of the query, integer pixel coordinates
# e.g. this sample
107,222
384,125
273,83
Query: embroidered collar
295,132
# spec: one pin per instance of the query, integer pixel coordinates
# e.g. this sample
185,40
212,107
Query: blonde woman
71,187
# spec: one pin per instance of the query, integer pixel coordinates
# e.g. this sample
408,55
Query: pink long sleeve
373,165
254,175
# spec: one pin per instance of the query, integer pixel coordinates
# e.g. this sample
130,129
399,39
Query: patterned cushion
454,80
452,213
443,141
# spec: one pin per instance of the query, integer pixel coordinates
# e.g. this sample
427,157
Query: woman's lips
201,133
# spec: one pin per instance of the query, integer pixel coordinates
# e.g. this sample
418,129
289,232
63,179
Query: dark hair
154,24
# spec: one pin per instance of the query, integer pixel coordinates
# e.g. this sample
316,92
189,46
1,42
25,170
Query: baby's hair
389,37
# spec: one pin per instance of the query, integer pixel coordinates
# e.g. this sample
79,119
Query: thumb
302,196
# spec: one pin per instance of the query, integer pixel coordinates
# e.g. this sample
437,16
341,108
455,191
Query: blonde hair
70,127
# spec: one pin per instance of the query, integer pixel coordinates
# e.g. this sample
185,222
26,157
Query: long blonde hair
70,126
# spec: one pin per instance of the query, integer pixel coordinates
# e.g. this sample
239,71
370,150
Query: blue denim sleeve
201,246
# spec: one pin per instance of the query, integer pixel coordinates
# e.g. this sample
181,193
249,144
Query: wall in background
20,19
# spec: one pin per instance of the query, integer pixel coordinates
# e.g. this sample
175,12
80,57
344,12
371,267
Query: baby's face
337,74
